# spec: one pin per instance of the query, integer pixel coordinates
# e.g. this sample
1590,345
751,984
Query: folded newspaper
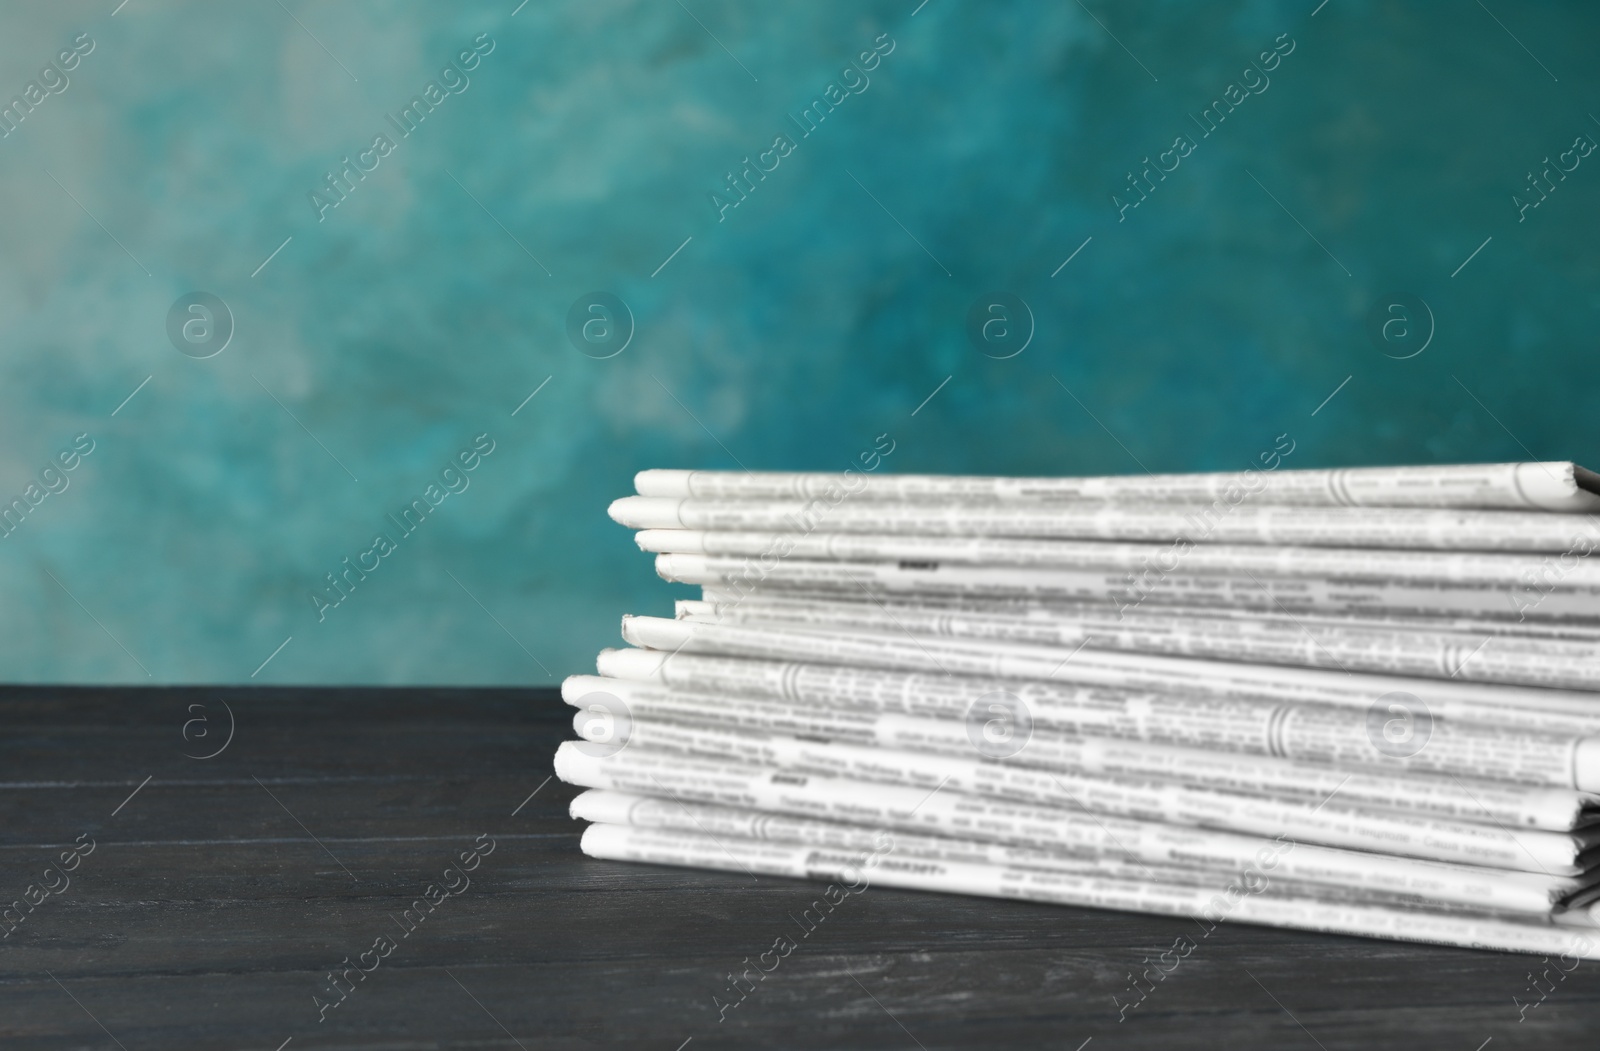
1361,701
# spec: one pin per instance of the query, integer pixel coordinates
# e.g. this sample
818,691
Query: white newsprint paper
1548,486
1360,701
1076,833
1120,592
1328,823
1313,733
1232,745
1461,530
662,847
1153,560
1272,612
1169,856
1524,707
1369,648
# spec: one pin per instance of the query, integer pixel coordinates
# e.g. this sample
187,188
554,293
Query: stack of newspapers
1361,701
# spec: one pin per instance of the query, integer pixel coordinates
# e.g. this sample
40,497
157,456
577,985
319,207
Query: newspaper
1123,591
1478,627
625,843
1550,486
1327,823
1524,707
1461,530
1316,734
1530,662
1334,563
690,782
1311,870
1555,639
1021,736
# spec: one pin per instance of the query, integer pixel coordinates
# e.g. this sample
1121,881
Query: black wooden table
266,896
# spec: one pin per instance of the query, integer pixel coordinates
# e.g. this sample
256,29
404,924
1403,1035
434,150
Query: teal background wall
1390,144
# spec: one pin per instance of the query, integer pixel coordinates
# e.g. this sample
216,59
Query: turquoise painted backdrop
276,272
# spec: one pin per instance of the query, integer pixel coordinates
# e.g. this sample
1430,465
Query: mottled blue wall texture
273,272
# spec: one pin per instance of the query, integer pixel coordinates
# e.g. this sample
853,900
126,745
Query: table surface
220,895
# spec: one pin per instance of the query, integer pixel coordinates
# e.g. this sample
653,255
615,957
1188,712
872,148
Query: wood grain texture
221,894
